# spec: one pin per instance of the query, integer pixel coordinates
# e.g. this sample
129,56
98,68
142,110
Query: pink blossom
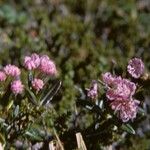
118,88
37,84
2,76
93,91
32,62
47,66
108,78
125,109
135,67
121,89
12,70
17,87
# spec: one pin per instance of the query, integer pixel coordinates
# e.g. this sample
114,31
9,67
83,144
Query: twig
59,142
80,141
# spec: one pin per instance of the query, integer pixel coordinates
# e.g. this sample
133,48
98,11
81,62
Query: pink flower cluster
120,93
118,88
2,76
17,87
43,63
93,91
12,70
126,109
47,66
37,84
135,67
32,62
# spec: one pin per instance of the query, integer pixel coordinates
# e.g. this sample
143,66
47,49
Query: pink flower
121,89
12,70
17,87
108,78
118,88
47,66
2,76
93,91
32,62
37,84
125,109
135,67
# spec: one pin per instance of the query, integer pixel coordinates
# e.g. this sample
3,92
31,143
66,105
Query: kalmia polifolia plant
25,96
114,102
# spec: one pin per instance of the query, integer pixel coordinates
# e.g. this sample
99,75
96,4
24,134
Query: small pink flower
93,91
135,67
17,87
108,78
37,84
32,62
2,76
125,109
121,89
12,70
118,88
47,66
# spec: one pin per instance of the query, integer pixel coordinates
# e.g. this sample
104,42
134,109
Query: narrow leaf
128,128
32,97
16,111
33,137
52,92
2,139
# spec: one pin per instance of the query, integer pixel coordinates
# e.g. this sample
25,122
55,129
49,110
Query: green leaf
2,122
2,139
34,135
128,128
16,111
85,103
31,97
4,101
22,18
90,105
30,78
10,103
52,92
141,111
9,14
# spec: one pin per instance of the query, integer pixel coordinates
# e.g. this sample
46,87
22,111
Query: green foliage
84,37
